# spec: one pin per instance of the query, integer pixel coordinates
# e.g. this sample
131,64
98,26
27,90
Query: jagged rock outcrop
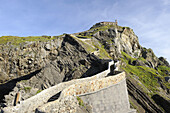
43,64
33,66
162,61
119,39
102,85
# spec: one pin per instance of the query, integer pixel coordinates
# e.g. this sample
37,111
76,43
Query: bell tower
116,21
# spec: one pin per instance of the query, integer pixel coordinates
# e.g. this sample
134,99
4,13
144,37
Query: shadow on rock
6,88
165,104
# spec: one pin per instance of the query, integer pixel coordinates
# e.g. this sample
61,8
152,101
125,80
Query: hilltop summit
105,23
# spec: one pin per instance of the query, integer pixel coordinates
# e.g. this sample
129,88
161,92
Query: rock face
119,39
139,96
32,66
162,102
40,68
102,85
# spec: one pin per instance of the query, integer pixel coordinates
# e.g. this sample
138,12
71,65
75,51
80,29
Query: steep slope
39,65
141,64
31,64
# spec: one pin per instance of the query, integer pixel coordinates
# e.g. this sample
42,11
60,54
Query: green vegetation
142,59
105,27
80,101
15,40
132,104
27,89
163,70
90,32
82,66
146,75
127,58
74,69
101,28
102,52
81,36
38,91
87,46
23,81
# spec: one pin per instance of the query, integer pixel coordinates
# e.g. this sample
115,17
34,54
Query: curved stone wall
98,90
40,99
112,99
93,85
109,93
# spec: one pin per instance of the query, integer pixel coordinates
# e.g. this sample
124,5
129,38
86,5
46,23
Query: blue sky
150,19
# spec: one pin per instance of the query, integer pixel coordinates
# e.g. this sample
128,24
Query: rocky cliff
32,64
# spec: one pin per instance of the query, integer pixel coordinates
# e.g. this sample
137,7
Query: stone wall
99,85
40,99
113,99
108,23
105,23
93,85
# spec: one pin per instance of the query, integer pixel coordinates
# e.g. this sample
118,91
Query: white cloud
150,21
166,2
152,26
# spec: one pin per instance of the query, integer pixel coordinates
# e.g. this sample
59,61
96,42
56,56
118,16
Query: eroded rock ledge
100,89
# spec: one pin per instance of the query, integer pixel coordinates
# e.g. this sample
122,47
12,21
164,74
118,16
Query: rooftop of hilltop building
108,23
104,23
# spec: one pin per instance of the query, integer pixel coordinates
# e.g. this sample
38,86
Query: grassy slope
15,40
94,47
147,76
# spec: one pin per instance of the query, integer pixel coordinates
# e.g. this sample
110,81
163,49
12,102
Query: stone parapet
40,99
112,99
100,86
93,85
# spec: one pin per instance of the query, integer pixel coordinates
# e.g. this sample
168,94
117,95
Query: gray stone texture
113,99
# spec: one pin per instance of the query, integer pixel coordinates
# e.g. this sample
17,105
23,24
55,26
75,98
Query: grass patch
23,81
38,91
80,101
163,70
102,52
15,40
127,58
146,75
27,89
81,36
88,47
132,104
